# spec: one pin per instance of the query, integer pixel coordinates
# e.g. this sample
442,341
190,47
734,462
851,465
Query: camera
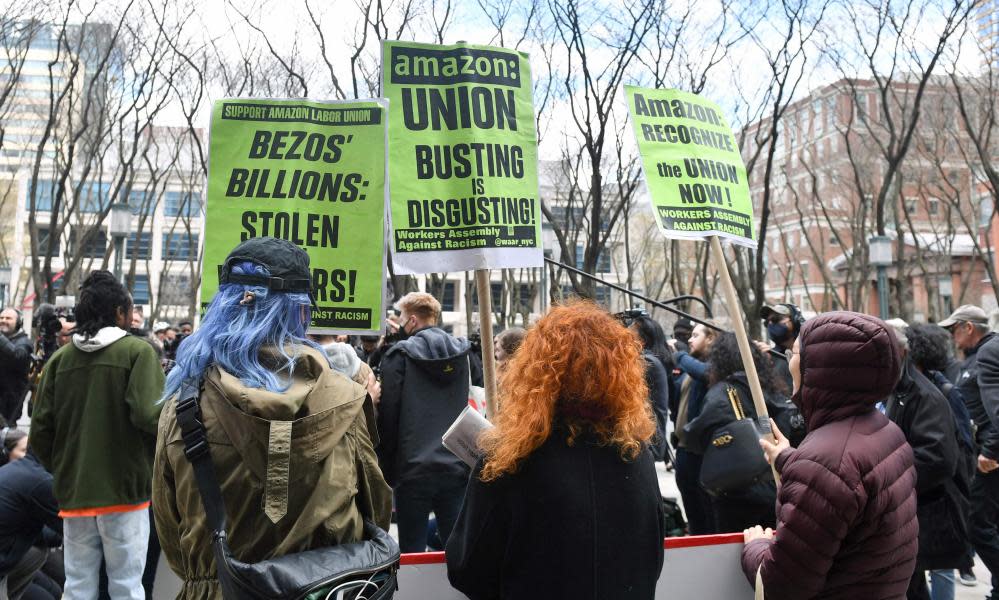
628,317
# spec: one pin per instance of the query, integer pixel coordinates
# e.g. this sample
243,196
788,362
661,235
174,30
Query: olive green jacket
297,469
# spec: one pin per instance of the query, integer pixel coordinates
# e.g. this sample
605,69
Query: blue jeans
414,500
942,584
120,539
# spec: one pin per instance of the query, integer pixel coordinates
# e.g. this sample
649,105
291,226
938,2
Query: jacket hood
436,352
277,433
343,358
849,361
104,338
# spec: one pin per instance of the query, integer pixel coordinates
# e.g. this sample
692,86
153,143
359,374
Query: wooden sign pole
732,303
486,331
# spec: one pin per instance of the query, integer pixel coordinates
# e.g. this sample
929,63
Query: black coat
924,415
29,513
756,504
983,404
574,522
424,389
968,381
658,382
15,361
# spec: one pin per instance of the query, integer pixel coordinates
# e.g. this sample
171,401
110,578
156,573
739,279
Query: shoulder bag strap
197,451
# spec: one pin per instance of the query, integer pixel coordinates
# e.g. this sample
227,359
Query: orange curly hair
577,366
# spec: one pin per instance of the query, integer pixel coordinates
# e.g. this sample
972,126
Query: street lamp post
119,226
879,255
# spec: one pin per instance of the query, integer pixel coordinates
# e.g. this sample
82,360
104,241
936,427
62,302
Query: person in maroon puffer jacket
846,507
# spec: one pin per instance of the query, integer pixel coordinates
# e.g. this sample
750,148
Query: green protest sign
695,174
312,173
462,158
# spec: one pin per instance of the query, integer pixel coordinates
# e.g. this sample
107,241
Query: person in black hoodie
924,416
29,521
425,380
755,505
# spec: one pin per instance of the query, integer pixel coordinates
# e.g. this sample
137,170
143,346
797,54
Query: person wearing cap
783,323
289,436
94,428
978,382
683,327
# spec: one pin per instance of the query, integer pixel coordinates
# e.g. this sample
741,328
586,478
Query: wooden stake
732,303
486,331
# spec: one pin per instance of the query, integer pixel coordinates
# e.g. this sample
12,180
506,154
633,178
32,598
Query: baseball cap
287,264
968,313
160,326
783,310
683,324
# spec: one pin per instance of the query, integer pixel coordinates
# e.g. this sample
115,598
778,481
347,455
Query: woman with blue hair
288,436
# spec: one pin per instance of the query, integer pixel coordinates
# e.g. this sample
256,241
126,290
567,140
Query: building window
946,288
140,290
44,195
933,206
180,246
818,117
603,260
602,296
182,204
43,243
911,206
95,197
447,298
141,247
176,290
525,298
95,245
137,200
833,241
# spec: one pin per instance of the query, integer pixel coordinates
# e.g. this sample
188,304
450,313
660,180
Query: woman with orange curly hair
565,503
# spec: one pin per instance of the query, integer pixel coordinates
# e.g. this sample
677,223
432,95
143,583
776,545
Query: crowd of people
885,445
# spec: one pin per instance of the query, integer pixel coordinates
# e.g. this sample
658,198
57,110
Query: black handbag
734,460
366,570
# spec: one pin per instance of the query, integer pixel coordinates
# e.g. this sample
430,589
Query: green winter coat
275,503
93,425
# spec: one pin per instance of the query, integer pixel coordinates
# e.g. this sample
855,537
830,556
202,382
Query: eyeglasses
954,327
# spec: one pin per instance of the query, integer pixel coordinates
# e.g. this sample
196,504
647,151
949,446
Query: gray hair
899,327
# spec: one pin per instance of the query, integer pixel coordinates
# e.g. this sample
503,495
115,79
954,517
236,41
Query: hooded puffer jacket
846,508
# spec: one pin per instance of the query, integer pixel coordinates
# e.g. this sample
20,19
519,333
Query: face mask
778,332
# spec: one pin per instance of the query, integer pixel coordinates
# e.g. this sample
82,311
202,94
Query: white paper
462,438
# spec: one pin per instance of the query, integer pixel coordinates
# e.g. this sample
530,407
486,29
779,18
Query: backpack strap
198,453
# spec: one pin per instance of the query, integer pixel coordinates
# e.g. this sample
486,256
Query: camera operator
15,361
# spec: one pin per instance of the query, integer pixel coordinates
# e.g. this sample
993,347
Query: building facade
828,167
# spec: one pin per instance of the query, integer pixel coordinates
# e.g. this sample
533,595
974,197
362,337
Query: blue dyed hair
231,335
